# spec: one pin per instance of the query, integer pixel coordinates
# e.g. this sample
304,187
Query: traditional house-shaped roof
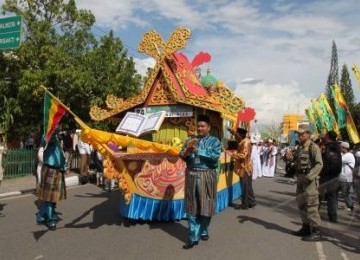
173,80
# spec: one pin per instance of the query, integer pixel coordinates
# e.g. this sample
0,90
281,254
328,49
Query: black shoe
303,231
244,207
205,237
333,218
84,179
190,244
313,237
236,206
252,205
51,226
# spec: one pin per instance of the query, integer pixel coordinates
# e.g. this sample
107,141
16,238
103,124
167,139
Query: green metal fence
21,162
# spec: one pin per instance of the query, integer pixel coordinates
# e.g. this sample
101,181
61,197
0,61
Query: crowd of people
323,168
264,157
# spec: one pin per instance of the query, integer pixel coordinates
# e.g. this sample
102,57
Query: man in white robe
270,162
255,159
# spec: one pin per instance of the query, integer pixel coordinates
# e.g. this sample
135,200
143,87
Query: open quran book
136,124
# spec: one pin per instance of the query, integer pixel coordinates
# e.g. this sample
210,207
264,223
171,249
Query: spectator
2,153
85,152
98,161
356,176
346,175
68,149
40,161
30,142
329,183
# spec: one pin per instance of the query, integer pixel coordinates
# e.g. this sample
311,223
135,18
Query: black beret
203,118
241,131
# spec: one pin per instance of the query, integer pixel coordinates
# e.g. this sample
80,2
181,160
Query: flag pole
77,119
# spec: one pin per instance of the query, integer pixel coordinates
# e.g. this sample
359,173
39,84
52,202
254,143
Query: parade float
150,174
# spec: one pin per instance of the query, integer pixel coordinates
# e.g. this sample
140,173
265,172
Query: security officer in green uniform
308,166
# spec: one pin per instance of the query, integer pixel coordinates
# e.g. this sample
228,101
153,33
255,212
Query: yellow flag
319,115
343,114
330,117
357,73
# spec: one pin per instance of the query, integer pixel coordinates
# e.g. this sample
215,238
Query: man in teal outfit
52,187
201,154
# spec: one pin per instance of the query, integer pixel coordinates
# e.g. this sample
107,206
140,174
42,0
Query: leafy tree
347,91
60,52
271,130
333,77
9,108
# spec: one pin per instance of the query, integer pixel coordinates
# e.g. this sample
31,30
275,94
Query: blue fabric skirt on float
143,208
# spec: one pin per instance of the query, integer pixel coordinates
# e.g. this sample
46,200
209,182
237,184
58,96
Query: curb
69,182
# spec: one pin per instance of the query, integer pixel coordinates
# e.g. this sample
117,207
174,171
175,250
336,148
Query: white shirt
348,163
2,151
274,150
84,148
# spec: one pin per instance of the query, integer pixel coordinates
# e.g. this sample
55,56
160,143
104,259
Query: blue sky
275,54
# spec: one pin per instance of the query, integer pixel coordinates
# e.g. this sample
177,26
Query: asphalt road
92,229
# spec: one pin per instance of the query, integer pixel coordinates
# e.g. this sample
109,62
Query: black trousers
329,192
248,196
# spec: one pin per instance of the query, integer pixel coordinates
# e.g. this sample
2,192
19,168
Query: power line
127,45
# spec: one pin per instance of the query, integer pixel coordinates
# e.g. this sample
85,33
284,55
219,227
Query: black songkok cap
203,118
332,135
241,131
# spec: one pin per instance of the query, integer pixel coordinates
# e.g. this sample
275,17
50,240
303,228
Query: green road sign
10,24
9,40
10,28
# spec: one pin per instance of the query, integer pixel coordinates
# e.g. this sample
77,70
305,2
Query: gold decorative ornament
153,45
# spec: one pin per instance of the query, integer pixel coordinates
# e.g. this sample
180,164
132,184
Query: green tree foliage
333,77
346,88
348,92
58,50
271,130
9,108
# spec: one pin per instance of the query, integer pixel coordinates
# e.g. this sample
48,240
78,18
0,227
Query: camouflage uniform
308,166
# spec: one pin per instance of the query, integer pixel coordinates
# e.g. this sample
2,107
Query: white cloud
114,14
272,101
315,25
141,65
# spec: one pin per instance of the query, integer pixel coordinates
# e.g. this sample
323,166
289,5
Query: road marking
39,257
320,251
344,256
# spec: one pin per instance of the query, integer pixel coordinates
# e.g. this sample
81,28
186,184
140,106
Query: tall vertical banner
319,115
357,73
343,114
312,120
330,120
318,122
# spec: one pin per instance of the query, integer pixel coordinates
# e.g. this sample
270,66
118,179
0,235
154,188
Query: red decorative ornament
246,115
200,58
